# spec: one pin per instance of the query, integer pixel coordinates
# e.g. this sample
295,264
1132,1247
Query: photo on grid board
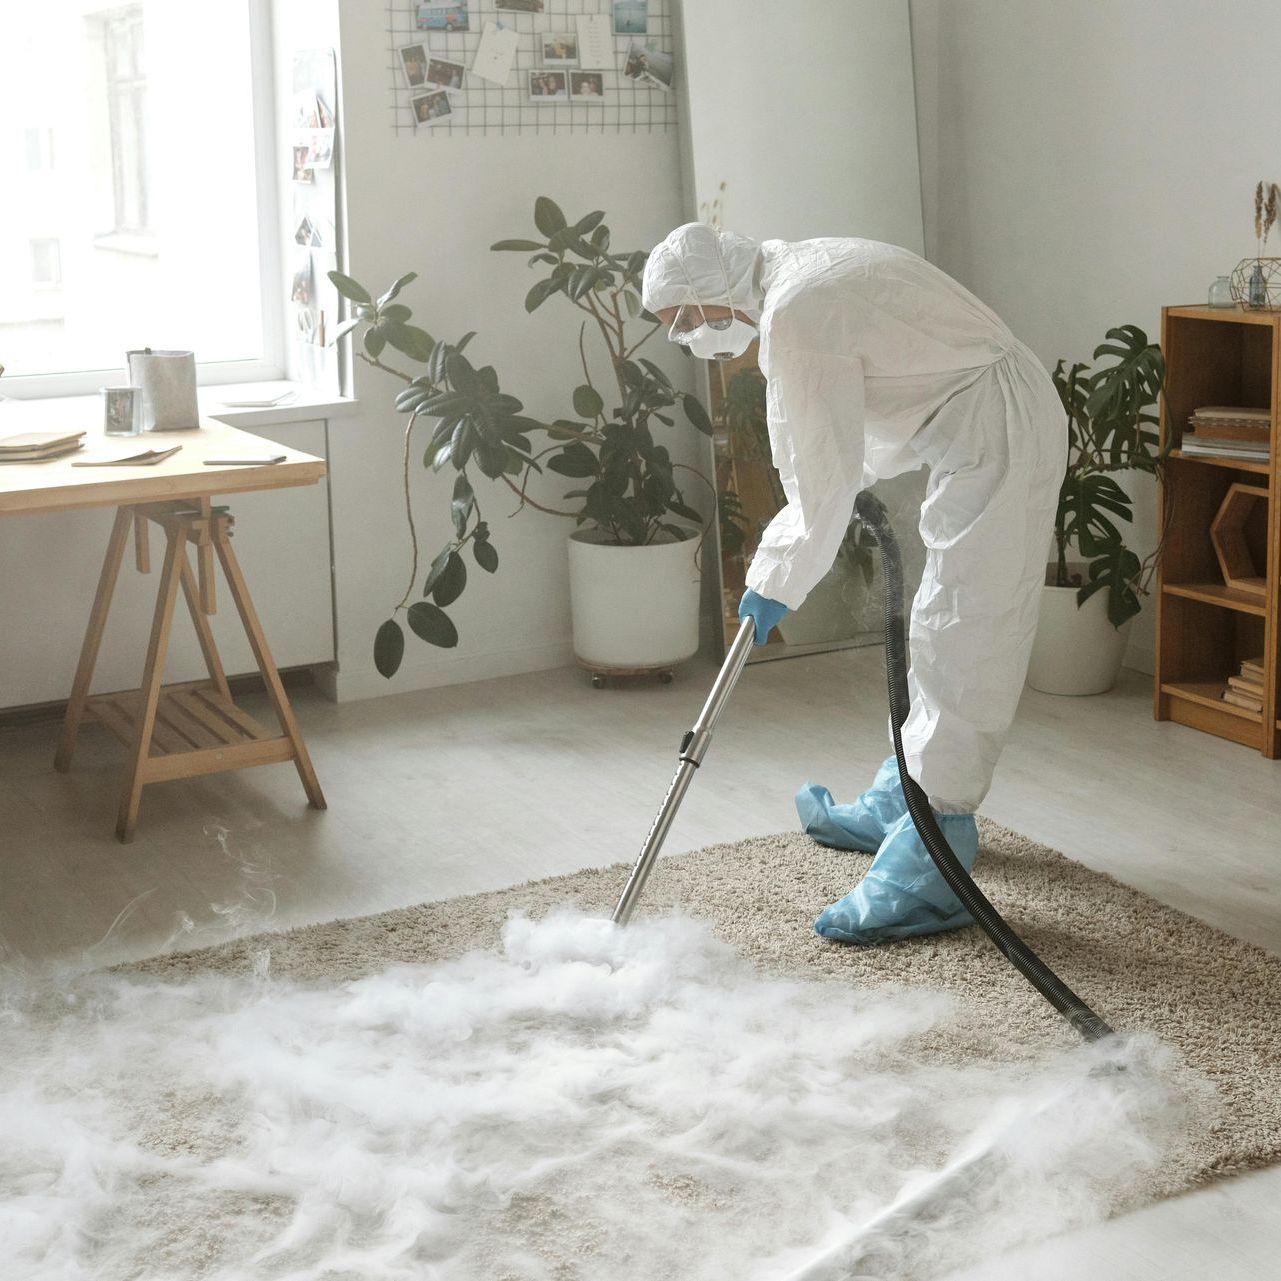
303,172
431,108
302,289
631,17
548,86
443,17
413,61
649,66
560,49
521,6
446,74
587,86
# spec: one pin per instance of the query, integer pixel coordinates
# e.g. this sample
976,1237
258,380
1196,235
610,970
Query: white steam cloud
590,1102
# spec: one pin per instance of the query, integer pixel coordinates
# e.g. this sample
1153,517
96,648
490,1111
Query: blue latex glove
767,613
903,894
858,826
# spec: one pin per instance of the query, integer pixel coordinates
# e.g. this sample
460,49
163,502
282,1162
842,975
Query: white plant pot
633,607
1077,650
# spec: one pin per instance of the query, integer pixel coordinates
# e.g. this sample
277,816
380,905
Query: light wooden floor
451,791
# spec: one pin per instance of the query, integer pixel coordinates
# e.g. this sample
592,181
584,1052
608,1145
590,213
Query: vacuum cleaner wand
693,749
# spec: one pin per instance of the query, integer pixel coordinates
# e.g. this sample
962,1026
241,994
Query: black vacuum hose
873,515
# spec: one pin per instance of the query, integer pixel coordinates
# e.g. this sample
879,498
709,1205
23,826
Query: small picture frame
413,62
560,48
303,172
443,17
587,86
631,17
431,108
520,6
548,85
445,74
649,66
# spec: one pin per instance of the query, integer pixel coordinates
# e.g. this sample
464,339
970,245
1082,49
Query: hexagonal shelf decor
1227,534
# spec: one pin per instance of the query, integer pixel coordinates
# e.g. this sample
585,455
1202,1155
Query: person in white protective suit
878,363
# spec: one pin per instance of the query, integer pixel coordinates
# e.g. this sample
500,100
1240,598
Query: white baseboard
346,684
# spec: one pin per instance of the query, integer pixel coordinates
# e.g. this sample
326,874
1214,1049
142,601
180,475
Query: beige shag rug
1142,965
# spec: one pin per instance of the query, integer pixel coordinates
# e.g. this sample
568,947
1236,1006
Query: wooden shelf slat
1221,460
1221,595
1209,694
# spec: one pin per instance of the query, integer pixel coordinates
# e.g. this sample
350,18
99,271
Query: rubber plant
626,483
1111,430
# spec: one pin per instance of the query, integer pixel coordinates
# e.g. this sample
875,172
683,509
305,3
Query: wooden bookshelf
1206,629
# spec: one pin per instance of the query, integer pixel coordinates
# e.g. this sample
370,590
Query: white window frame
271,364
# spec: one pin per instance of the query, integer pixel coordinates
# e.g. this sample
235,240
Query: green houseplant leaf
432,624
389,648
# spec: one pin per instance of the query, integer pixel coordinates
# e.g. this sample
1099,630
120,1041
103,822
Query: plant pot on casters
635,609
1086,609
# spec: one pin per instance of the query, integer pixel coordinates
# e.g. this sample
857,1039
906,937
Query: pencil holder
168,382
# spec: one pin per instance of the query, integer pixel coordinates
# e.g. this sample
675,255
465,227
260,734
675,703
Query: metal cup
122,411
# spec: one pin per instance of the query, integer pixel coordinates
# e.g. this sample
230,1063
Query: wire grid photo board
626,105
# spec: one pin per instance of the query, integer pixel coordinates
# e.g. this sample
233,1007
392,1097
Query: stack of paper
1233,431
38,446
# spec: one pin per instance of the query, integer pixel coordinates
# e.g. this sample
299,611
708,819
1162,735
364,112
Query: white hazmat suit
877,363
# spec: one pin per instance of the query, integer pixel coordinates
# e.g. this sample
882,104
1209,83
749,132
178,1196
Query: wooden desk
194,728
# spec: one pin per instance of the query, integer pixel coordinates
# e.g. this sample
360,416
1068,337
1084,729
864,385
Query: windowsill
308,404
137,243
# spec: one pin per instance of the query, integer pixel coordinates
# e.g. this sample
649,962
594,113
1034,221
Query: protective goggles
690,318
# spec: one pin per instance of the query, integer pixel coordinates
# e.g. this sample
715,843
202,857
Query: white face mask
720,344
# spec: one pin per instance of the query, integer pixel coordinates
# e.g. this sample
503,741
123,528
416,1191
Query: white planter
633,607
1077,651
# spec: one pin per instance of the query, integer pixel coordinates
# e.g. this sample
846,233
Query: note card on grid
596,42
495,55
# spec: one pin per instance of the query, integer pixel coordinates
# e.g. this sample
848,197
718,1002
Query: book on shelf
1207,447
1249,702
1233,419
1246,685
1252,668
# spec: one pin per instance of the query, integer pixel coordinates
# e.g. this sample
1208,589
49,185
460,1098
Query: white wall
809,120
1085,162
434,204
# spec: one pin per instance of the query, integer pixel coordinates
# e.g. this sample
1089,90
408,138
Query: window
46,263
126,90
139,207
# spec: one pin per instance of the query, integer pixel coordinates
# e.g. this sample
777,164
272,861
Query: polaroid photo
443,17
587,86
648,66
548,86
311,112
445,74
520,6
631,17
303,288
304,232
560,49
431,108
303,172
319,144
413,62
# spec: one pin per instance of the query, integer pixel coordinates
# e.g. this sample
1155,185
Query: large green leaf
462,376
587,401
453,579
547,216
432,624
389,648
589,222
1132,382
486,555
697,415
416,343
396,287
540,293
1117,572
463,501
343,330
436,570
521,246
350,288
575,461
375,341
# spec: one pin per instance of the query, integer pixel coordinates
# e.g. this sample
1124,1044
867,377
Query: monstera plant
1111,429
624,483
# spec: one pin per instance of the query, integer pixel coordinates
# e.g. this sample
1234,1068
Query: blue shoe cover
861,825
903,894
